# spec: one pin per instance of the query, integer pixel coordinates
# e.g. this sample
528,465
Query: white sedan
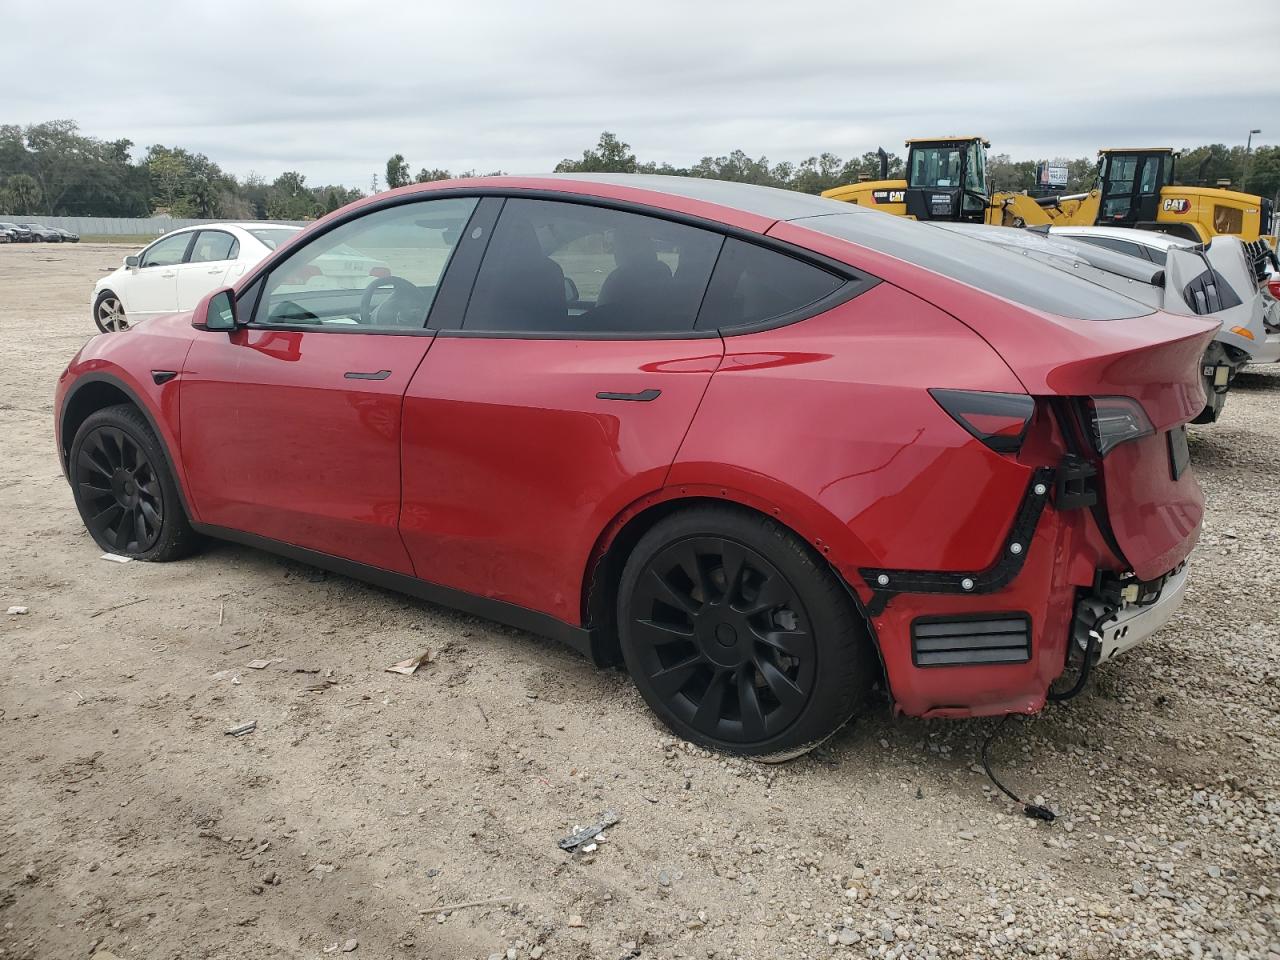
176,271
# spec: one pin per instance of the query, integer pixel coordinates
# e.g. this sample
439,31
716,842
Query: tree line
52,168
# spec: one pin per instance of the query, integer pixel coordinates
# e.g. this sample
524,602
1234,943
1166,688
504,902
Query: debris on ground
412,664
263,664
242,729
116,558
581,835
451,907
118,606
16,611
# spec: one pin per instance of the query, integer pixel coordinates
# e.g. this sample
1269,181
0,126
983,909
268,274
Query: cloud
333,88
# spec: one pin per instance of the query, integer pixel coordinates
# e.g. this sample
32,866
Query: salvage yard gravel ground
375,814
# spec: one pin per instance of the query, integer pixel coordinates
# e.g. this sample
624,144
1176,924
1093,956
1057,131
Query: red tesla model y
758,446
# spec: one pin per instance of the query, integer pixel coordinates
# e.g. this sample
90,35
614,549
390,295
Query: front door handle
643,396
375,375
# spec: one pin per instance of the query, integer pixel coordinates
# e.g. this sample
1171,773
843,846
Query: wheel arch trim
134,397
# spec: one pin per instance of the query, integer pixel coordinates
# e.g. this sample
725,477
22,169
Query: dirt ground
367,804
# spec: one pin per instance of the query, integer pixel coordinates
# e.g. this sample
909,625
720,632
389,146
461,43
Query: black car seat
527,292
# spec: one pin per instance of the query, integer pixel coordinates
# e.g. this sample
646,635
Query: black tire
739,636
124,489
108,312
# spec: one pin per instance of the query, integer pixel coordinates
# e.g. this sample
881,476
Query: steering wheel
402,290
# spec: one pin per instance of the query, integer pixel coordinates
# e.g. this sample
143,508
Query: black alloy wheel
120,490
738,636
124,489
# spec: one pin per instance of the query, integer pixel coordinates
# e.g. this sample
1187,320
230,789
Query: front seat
526,291
638,283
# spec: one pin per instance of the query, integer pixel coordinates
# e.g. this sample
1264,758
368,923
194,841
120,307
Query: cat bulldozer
947,180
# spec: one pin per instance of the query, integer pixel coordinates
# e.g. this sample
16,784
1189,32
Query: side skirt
586,640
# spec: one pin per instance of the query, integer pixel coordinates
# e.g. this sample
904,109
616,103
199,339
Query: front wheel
108,313
739,636
124,489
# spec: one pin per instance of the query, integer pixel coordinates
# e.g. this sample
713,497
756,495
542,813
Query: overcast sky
333,88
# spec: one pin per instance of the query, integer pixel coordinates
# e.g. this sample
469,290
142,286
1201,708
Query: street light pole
1248,147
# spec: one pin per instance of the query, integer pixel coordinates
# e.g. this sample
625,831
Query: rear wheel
739,636
108,313
124,490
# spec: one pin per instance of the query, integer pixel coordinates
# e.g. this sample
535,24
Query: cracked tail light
999,420
1116,420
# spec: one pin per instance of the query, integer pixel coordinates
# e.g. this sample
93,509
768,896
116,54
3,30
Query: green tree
289,198
429,176
611,155
22,194
397,171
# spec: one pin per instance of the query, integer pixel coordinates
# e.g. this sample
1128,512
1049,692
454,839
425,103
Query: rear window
985,266
751,285
271,237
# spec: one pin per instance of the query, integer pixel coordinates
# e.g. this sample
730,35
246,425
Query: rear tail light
1116,420
1273,287
999,420
380,272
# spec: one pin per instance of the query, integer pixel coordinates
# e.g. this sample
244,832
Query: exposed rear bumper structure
1132,623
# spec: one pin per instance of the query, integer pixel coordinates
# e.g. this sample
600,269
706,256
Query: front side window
379,271
213,245
557,267
167,251
752,285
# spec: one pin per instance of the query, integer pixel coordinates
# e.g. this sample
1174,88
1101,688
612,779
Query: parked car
175,271
754,444
68,236
6,236
19,233
1250,331
1189,278
43,234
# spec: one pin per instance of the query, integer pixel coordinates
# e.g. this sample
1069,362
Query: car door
152,288
556,400
210,258
291,424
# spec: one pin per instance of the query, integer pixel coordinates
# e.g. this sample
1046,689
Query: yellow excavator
947,180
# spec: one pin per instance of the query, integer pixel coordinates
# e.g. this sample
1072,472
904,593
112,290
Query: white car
1254,331
176,271
1215,279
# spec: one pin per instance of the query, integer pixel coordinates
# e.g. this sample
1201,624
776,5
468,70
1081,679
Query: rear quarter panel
830,421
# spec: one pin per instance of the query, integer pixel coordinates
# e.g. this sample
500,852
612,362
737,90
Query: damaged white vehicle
1168,273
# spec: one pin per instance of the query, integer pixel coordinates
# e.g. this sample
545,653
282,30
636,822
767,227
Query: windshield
935,166
272,237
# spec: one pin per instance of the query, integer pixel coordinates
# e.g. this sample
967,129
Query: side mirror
132,261
217,311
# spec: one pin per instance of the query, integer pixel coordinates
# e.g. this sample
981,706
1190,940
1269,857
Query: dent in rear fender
830,420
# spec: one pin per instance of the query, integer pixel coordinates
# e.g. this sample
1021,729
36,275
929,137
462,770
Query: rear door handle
643,396
375,375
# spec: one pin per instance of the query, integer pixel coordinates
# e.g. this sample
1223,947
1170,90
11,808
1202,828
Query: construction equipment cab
946,180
